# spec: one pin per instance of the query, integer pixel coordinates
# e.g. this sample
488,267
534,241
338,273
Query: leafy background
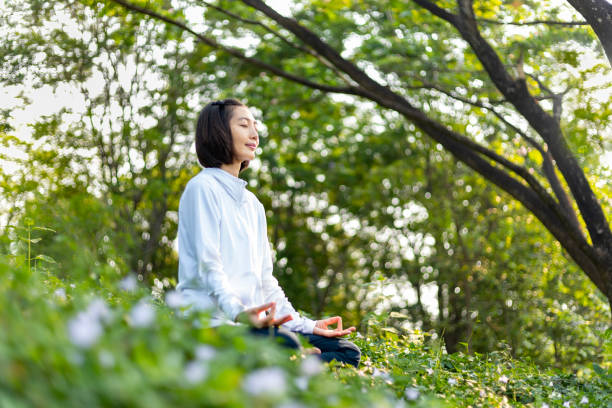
451,283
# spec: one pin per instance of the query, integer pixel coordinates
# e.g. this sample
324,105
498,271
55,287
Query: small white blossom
503,379
550,384
555,394
566,404
72,285
129,283
412,394
98,310
204,352
311,365
142,315
584,400
60,293
84,330
76,358
452,381
301,383
195,372
106,358
383,374
429,371
270,380
545,405
174,299
482,393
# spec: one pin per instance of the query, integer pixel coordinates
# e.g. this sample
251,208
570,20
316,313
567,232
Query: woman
224,254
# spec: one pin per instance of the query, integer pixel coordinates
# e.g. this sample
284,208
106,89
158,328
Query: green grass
148,356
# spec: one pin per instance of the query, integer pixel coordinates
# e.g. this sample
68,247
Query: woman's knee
352,353
284,337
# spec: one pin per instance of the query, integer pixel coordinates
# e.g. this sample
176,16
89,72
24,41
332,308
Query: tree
415,66
124,154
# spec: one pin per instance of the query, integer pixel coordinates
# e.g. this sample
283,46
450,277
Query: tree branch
367,84
517,93
352,90
279,36
534,22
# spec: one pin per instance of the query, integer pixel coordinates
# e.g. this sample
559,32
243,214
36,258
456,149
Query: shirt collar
234,186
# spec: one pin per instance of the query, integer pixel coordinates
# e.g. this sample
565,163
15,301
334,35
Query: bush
109,342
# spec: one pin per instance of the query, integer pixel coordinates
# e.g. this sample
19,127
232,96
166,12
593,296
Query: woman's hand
321,328
262,316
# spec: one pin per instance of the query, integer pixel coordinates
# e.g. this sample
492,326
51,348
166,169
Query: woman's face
244,134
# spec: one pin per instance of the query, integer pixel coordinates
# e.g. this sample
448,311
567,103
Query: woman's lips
252,146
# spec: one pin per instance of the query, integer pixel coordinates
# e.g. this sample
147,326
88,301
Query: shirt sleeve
202,217
274,293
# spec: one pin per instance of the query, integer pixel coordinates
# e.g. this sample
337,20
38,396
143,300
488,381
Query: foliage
104,342
360,203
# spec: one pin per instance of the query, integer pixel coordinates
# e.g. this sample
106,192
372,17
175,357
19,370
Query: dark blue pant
332,348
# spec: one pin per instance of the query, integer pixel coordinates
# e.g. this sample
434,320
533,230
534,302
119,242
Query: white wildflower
503,379
204,352
195,372
584,400
142,315
482,393
72,285
106,358
174,299
75,358
98,310
382,374
566,404
412,394
429,371
545,405
301,383
270,380
311,365
84,330
60,293
452,381
129,283
555,394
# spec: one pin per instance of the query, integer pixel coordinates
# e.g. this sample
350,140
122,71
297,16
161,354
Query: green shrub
109,342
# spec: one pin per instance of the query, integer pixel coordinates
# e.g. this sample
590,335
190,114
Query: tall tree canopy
500,85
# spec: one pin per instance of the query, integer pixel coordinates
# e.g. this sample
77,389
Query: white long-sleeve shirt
224,254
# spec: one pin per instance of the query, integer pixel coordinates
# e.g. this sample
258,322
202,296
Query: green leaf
45,258
44,229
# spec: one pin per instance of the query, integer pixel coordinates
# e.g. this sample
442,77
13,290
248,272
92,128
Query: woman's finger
269,319
282,320
263,307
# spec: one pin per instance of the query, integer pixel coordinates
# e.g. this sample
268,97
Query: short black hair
213,139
